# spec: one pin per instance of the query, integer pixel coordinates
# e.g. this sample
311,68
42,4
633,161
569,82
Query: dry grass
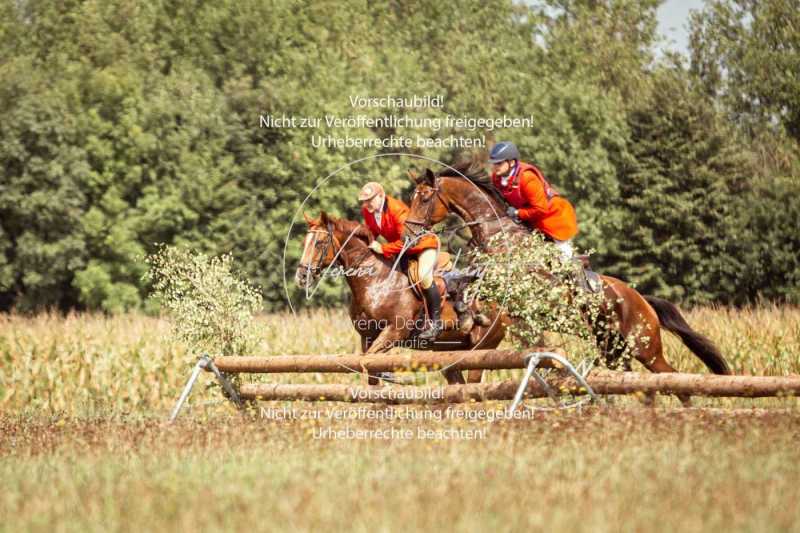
83,446
127,364
759,341
618,470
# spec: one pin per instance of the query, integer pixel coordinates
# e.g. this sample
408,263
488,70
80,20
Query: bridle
424,225
330,243
316,269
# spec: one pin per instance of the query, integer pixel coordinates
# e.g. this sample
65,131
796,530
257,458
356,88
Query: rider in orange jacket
532,199
386,216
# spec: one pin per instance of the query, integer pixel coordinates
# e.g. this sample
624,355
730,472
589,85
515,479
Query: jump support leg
205,363
533,360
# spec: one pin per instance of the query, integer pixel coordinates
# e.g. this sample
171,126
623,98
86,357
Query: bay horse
467,192
383,307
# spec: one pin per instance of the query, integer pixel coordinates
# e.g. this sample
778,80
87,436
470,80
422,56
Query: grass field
83,446
83,364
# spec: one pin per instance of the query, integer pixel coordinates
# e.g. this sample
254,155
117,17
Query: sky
673,22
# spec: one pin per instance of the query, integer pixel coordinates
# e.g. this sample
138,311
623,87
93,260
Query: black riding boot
434,302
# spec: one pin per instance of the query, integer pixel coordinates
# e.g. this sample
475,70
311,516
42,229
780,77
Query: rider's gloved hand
376,247
513,212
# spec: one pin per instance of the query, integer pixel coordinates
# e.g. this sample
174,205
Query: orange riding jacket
540,206
392,225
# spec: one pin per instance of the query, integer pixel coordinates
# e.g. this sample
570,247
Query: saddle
444,263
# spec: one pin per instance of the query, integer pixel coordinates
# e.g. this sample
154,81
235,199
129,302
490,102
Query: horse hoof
483,320
466,323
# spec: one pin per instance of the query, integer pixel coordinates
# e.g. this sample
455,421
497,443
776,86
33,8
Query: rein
331,243
426,224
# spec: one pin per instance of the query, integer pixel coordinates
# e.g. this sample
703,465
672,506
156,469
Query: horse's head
465,190
428,205
323,244
318,248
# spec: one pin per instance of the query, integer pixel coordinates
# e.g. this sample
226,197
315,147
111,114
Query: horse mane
357,228
473,168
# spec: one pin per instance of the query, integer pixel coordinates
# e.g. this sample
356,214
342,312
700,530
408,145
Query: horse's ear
413,175
430,178
324,218
310,221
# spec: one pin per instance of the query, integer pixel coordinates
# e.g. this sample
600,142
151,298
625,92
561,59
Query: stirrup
483,320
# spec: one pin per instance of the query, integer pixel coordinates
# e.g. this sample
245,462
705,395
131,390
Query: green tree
748,52
679,187
127,124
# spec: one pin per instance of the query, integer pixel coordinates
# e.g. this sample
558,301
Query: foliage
748,53
127,124
678,188
540,291
610,43
695,228
212,308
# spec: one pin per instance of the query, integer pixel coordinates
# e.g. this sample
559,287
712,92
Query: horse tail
672,320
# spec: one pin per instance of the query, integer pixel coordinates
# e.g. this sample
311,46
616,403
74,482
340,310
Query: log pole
431,361
602,382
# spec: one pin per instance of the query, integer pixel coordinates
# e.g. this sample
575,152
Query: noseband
331,243
316,269
424,225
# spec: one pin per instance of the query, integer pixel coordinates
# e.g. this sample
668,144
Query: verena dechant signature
339,271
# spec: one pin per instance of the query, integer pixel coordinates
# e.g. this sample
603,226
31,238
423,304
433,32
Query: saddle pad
444,263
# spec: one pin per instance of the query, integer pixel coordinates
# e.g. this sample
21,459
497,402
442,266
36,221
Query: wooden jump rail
596,382
603,382
432,361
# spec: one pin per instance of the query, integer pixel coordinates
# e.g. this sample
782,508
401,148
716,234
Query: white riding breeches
566,248
427,264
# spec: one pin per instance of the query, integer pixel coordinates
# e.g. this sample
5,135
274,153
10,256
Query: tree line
127,124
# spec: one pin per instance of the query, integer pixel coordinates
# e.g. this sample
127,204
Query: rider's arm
399,212
390,249
536,199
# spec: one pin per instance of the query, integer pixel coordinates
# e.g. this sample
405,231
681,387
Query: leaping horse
383,307
466,192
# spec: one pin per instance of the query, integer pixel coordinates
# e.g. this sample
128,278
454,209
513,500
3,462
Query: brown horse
467,192
383,307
